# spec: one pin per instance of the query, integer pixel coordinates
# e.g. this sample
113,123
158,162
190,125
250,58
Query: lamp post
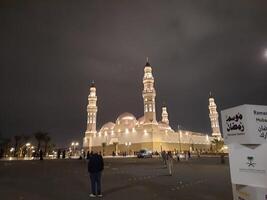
128,144
74,145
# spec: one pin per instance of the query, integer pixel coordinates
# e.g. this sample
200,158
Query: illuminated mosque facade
130,134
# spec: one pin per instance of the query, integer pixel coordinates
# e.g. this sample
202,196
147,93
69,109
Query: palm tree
39,136
47,139
218,144
17,139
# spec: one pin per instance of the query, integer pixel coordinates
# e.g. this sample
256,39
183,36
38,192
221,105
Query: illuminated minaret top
91,110
149,95
164,115
214,118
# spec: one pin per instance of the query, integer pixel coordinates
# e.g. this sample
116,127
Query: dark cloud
50,50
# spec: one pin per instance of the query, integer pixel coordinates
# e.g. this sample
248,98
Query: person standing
169,159
95,168
163,155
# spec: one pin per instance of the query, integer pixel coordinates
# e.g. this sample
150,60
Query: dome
141,120
107,126
163,125
126,116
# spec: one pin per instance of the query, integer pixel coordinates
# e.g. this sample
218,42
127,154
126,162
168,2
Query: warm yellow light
28,144
145,132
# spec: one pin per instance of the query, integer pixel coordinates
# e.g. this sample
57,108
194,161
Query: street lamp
128,144
74,145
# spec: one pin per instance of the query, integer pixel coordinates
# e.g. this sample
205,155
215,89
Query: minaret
214,118
91,116
164,115
149,95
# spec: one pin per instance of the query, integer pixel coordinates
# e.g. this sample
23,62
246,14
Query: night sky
51,50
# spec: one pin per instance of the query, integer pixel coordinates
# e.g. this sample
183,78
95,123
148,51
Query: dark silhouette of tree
26,138
4,146
39,136
218,144
47,139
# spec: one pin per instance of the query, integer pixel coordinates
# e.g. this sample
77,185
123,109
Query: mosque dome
107,127
163,126
141,120
126,118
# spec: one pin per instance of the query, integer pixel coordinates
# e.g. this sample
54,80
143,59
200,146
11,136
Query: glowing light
112,132
126,131
145,132
106,133
28,144
265,53
133,130
207,137
12,149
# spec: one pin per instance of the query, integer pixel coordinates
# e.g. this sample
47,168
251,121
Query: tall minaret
91,116
164,115
149,94
214,118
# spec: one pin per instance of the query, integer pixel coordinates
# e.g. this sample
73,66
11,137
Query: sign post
245,132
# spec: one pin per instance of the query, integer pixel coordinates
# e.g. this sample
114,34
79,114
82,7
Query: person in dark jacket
95,168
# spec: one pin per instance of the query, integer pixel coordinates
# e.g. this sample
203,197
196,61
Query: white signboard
248,165
245,124
242,192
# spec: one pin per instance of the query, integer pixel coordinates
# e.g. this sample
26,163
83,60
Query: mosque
130,134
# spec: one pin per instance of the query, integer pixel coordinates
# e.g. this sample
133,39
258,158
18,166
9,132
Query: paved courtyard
123,178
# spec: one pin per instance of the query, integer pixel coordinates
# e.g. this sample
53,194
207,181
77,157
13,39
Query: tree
218,144
47,139
17,139
4,146
26,138
39,136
